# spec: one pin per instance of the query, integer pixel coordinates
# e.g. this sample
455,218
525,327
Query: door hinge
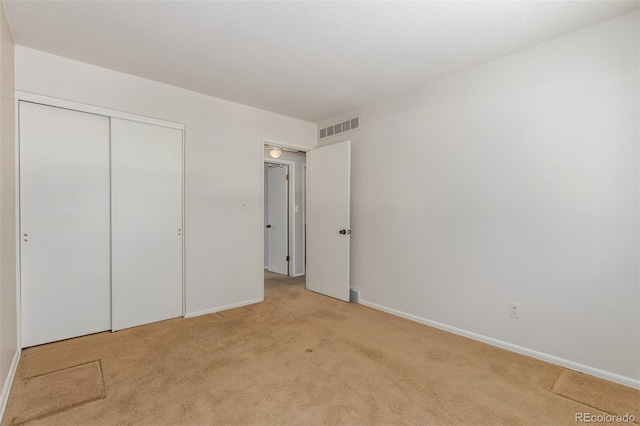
288,258
287,177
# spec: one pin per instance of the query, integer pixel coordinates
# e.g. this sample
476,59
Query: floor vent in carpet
598,393
52,393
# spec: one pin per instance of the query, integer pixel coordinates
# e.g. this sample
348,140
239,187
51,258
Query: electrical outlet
514,310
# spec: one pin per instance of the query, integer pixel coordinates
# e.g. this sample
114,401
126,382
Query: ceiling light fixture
275,152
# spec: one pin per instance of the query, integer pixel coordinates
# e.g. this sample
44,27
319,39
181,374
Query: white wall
297,226
224,154
8,308
516,181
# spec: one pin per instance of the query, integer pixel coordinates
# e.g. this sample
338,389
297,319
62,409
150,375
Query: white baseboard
607,375
222,308
301,273
6,388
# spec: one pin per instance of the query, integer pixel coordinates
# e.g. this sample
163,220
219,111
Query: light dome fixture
275,152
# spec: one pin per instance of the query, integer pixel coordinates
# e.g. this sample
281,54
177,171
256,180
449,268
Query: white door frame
304,218
292,205
92,109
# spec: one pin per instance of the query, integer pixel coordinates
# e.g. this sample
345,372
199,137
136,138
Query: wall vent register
342,127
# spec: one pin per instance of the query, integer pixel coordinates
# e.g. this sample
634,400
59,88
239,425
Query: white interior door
266,216
146,223
328,219
277,219
64,223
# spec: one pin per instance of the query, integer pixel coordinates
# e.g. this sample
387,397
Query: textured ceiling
310,60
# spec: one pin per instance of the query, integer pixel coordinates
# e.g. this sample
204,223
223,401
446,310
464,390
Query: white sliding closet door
64,223
146,223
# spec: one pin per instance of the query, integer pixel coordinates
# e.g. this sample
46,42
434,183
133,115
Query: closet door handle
268,226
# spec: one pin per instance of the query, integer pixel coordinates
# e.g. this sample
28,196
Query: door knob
268,226
345,232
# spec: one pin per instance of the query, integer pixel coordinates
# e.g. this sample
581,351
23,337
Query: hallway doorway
284,212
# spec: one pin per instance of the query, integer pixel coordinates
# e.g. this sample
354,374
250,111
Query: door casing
292,203
305,196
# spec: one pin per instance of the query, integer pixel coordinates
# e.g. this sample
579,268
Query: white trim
183,222
6,388
303,219
283,145
262,224
223,308
607,375
92,109
18,236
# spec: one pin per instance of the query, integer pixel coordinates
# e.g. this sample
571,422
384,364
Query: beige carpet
300,358
611,398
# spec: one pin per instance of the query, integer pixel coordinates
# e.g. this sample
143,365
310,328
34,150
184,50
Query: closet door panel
64,221
146,223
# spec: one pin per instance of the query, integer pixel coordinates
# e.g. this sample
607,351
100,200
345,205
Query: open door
277,219
328,219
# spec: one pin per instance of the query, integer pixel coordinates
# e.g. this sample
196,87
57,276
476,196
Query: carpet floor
298,358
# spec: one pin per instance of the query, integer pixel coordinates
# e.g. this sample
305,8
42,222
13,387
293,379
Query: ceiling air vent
338,128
